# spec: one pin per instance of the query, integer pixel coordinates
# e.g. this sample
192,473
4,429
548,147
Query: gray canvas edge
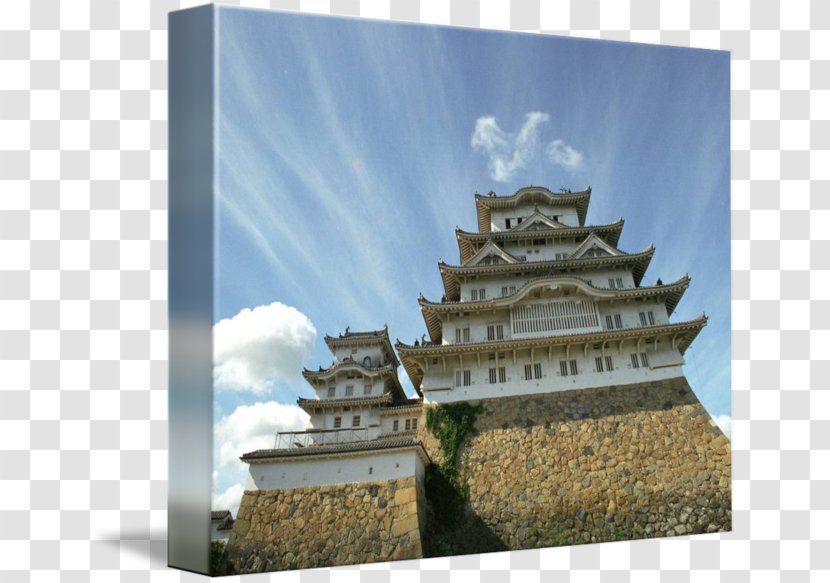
191,204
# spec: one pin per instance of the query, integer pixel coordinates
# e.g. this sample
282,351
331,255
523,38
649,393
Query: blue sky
346,162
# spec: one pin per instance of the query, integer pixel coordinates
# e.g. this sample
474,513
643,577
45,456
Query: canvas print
470,291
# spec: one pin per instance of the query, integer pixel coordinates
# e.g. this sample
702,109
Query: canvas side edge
190,285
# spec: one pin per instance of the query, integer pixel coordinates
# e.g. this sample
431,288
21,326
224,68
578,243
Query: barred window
504,291
619,283
635,362
528,369
492,376
367,389
598,361
611,283
407,425
415,423
642,319
537,370
574,369
609,364
474,294
644,359
609,323
331,392
356,421
502,374
618,320
462,378
337,422
349,390
395,425
651,318
563,368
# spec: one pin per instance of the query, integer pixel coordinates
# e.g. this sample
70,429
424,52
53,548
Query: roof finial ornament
347,329
491,193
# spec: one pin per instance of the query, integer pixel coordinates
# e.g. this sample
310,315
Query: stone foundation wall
320,526
591,465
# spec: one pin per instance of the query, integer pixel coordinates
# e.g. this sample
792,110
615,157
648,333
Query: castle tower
541,302
359,416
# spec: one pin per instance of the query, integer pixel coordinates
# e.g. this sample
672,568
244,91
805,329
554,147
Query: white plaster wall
359,353
369,466
216,534
387,421
341,380
566,215
438,384
493,284
477,322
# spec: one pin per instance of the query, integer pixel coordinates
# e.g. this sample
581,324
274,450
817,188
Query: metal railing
314,437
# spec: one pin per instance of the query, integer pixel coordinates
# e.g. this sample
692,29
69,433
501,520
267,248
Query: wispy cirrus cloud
509,153
564,155
257,347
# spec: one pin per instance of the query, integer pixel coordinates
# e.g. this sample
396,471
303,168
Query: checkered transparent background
83,340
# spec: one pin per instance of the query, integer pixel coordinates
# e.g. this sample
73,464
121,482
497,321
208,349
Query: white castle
539,303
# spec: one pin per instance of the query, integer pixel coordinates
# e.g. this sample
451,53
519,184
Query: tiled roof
224,516
354,446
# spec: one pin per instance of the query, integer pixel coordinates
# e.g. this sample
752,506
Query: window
609,364
337,422
574,370
367,389
415,423
495,332
349,390
598,361
481,294
474,295
519,221
619,283
407,425
563,368
367,362
528,369
618,320
609,323
503,291
498,375
651,318
461,335
462,378
507,223
538,242
642,319
644,359
356,421
611,283
331,392
395,425
537,370
512,289
635,362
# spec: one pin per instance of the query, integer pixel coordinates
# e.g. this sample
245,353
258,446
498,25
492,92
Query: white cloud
257,347
725,424
228,500
248,428
562,154
508,153
252,427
